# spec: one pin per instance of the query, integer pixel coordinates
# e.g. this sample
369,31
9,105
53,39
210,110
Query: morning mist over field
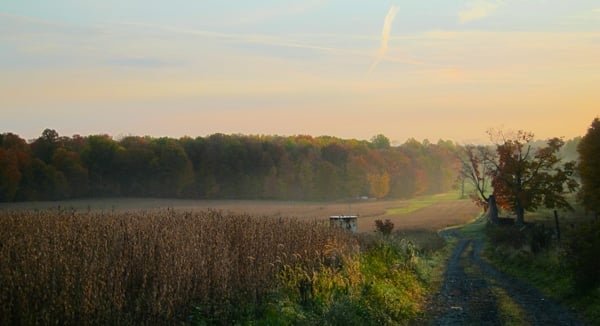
435,70
318,162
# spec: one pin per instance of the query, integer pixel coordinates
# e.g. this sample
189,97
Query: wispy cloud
387,27
385,36
262,39
477,9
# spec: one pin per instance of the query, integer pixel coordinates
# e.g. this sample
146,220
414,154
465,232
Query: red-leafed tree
526,178
517,176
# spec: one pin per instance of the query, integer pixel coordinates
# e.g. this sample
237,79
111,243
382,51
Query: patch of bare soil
434,217
297,209
437,216
466,296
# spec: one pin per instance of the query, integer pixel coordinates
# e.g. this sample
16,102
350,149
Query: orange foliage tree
526,178
379,184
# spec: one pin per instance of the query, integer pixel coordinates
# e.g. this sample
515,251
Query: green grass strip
422,202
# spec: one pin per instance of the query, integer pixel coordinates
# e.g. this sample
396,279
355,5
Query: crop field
145,261
431,212
148,267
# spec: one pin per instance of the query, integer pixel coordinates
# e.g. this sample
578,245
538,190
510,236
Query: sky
351,69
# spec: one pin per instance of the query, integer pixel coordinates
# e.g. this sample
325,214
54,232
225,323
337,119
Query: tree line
220,166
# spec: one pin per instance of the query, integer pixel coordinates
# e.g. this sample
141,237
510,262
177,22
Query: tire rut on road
466,296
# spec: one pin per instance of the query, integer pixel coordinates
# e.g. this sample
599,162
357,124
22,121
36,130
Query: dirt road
476,293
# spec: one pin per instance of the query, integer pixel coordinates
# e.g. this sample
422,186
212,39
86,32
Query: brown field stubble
438,215
148,267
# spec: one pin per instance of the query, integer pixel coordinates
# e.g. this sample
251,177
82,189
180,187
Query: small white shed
348,222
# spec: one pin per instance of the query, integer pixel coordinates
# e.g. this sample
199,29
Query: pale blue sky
445,69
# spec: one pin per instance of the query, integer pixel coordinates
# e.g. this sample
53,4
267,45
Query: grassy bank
384,285
565,271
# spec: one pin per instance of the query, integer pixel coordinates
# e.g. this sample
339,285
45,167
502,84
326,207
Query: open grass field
429,212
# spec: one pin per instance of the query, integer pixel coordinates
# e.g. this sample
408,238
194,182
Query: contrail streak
385,36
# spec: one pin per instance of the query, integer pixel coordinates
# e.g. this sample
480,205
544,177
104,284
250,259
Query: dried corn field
147,267
439,214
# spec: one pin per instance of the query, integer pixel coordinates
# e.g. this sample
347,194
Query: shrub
536,236
427,241
506,236
378,287
392,293
539,237
384,228
582,248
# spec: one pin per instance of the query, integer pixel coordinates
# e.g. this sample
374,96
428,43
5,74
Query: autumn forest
220,166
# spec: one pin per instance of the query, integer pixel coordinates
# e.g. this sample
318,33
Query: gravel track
466,296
